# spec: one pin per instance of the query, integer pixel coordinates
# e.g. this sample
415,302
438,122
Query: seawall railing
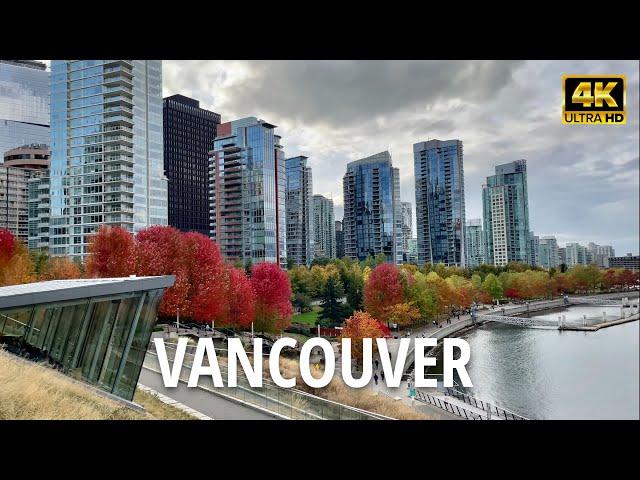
449,407
286,402
471,400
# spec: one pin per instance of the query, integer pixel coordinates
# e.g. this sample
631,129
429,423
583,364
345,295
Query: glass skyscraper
324,227
440,206
372,221
106,150
407,229
247,177
189,132
506,215
474,247
548,252
24,104
299,208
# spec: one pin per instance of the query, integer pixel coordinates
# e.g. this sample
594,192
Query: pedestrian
376,364
382,375
375,378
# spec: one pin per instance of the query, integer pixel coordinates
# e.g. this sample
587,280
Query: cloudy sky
583,179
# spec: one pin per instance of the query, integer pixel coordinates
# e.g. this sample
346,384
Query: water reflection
552,374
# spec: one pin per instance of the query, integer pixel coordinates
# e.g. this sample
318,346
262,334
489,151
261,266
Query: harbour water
553,374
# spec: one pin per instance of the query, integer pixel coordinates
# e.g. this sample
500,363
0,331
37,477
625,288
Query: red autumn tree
362,325
159,251
199,289
627,278
383,289
111,253
7,246
273,297
240,299
207,275
513,293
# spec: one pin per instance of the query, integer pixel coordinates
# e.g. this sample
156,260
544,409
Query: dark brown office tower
188,137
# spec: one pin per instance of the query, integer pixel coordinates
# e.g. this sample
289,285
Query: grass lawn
33,392
308,318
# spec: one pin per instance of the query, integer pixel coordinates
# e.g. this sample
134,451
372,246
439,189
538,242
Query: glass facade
247,177
299,210
440,204
506,215
324,227
189,132
372,221
24,104
474,247
106,149
99,339
407,229
548,254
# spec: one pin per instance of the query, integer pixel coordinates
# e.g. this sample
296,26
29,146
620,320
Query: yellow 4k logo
582,94
594,99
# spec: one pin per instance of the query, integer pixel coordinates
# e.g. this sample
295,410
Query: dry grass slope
31,392
362,398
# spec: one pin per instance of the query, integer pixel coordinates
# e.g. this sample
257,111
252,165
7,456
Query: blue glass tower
24,104
106,149
372,211
247,178
299,208
506,215
440,207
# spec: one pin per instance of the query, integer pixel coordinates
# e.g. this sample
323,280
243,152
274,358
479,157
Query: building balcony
110,139
122,100
118,148
118,120
116,70
117,110
118,178
117,90
119,80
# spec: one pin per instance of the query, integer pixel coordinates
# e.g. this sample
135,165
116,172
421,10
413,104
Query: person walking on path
375,378
382,375
376,364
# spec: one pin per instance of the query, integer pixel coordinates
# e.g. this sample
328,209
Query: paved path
210,404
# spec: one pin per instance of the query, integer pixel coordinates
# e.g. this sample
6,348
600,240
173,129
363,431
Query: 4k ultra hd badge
594,99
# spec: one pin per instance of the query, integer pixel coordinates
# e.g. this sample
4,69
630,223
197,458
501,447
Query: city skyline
349,110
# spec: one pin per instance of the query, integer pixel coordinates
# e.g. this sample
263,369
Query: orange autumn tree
16,265
403,314
362,325
60,268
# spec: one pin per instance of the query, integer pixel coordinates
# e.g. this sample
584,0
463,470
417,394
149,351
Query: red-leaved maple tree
383,289
112,253
240,299
273,297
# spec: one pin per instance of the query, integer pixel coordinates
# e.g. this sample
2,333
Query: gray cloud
583,180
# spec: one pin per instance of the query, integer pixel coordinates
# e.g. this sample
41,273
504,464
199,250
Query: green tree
492,286
333,312
380,259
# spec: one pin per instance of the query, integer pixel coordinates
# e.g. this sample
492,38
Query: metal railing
287,402
449,407
471,400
